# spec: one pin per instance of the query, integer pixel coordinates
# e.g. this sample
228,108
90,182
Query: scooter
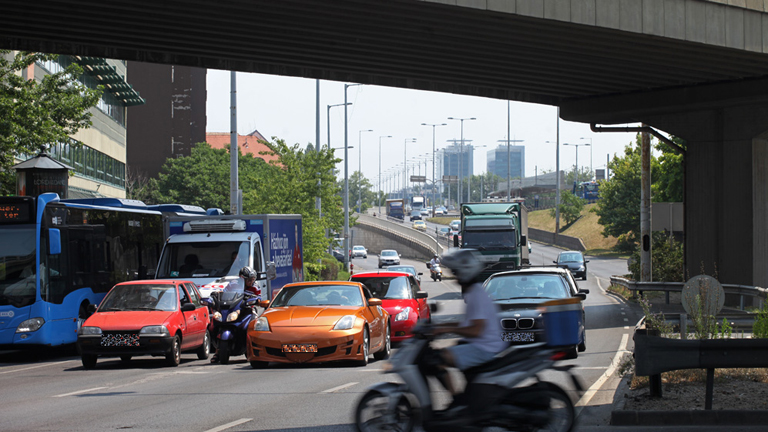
435,272
231,311
491,398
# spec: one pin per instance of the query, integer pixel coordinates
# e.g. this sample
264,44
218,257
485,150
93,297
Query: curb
690,418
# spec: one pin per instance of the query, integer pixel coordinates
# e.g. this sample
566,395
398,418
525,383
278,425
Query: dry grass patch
586,228
689,376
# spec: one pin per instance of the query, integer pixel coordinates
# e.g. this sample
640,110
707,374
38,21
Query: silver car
388,257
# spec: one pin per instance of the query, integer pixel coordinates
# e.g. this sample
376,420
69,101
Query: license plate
120,340
300,348
517,336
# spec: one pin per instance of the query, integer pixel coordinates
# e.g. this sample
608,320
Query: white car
425,212
359,251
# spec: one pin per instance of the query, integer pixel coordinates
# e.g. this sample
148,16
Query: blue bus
587,190
59,256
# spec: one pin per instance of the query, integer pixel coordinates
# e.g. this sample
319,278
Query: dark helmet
247,273
463,263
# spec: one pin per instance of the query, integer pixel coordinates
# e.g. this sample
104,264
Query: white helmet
463,263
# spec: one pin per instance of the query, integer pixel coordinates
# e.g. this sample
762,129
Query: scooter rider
250,289
481,328
435,260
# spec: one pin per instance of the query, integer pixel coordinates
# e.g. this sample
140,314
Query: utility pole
646,274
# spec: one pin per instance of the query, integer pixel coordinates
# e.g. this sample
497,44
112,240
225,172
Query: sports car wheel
173,358
205,349
384,353
365,348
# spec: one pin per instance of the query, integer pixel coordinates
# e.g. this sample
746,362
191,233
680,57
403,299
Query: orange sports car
314,322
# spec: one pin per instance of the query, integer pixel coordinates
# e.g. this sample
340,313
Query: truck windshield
17,266
483,240
203,259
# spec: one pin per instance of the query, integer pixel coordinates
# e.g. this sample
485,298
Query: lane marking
341,387
589,394
80,392
35,367
590,367
229,425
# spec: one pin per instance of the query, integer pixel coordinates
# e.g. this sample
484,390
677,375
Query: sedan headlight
233,316
403,315
30,325
89,331
262,324
581,268
155,330
345,323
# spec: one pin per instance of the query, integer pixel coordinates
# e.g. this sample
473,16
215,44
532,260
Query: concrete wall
568,242
376,239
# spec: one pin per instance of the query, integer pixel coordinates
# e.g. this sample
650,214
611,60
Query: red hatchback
400,296
146,317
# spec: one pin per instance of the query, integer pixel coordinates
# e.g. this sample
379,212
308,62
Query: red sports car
146,317
400,296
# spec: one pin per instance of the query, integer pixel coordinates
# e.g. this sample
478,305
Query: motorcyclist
481,328
435,260
250,289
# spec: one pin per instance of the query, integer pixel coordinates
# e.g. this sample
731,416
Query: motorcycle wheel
224,352
372,413
548,406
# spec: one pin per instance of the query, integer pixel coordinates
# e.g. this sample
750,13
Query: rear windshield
396,287
515,286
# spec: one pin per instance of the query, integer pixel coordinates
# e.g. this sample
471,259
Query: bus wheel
89,361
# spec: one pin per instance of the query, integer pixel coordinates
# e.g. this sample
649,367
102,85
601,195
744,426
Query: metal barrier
406,233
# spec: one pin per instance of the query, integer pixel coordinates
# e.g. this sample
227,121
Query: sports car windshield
140,297
319,295
517,286
395,287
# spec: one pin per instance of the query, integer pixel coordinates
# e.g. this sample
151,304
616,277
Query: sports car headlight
217,316
30,325
262,324
403,315
154,330
345,323
89,331
233,316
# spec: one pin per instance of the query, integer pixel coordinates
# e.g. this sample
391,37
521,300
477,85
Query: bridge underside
710,95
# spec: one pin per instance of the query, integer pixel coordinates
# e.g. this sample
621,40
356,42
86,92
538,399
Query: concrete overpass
693,68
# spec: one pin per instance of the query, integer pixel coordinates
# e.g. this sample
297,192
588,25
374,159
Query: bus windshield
203,259
17,266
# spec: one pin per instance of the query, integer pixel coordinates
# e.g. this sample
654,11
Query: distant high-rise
497,161
448,161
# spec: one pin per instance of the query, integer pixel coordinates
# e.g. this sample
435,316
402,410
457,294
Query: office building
498,162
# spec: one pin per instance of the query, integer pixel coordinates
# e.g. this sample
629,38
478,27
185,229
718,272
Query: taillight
559,355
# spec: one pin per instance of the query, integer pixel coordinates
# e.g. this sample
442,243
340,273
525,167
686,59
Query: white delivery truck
211,250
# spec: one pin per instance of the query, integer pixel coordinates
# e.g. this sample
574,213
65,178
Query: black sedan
573,261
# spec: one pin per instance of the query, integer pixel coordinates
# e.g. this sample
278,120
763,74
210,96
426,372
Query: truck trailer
396,208
211,250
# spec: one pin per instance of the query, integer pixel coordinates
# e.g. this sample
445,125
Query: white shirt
480,306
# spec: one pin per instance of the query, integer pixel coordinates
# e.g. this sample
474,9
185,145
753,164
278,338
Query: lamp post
360,169
461,148
328,129
590,156
433,163
346,179
379,191
576,179
405,165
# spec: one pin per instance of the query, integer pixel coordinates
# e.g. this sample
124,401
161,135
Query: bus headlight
30,325
154,330
89,331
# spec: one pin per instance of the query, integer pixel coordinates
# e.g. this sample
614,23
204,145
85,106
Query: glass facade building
497,161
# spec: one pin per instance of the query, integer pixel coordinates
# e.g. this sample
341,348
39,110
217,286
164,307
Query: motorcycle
491,397
435,272
231,311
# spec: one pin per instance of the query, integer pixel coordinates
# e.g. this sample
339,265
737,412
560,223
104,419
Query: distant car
146,317
359,251
419,225
388,257
415,215
520,293
408,269
451,207
338,254
425,212
573,261
445,231
441,211
401,297
455,224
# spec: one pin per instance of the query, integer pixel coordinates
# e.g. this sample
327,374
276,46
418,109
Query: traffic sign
418,179
450,179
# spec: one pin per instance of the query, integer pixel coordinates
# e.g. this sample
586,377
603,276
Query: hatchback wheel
89,361
205,349
173,358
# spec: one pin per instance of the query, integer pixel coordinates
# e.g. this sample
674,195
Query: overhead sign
600,174
418,179
450,179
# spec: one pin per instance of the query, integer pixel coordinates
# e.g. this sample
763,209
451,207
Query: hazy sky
285,108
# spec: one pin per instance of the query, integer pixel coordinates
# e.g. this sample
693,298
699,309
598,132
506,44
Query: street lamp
359,169
461,148
328,128
405,165
577,158
590,155
433,163
346,179
379,191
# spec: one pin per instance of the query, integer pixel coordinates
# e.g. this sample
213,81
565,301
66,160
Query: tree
35,115
668,173
570,207
359,186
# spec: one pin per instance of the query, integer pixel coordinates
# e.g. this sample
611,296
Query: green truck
498,230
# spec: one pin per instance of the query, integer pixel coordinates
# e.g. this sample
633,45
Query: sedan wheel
384,353
173,358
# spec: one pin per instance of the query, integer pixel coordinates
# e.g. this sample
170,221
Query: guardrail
408,234
759,293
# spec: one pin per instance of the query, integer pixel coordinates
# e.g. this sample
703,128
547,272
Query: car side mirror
264,303
187,307
581,295
419,273
586,261
374,302
421,294
554,262
585,291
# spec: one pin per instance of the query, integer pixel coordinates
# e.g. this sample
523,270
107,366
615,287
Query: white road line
339,387
590,367
80,391
35,367
589,394
229,425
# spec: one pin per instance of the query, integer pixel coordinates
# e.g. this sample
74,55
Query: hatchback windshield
571,257
515,286
140,297
407,269
395,287
318,295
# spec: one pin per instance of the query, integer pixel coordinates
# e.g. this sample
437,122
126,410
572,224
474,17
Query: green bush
330,269
760,327
666,260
